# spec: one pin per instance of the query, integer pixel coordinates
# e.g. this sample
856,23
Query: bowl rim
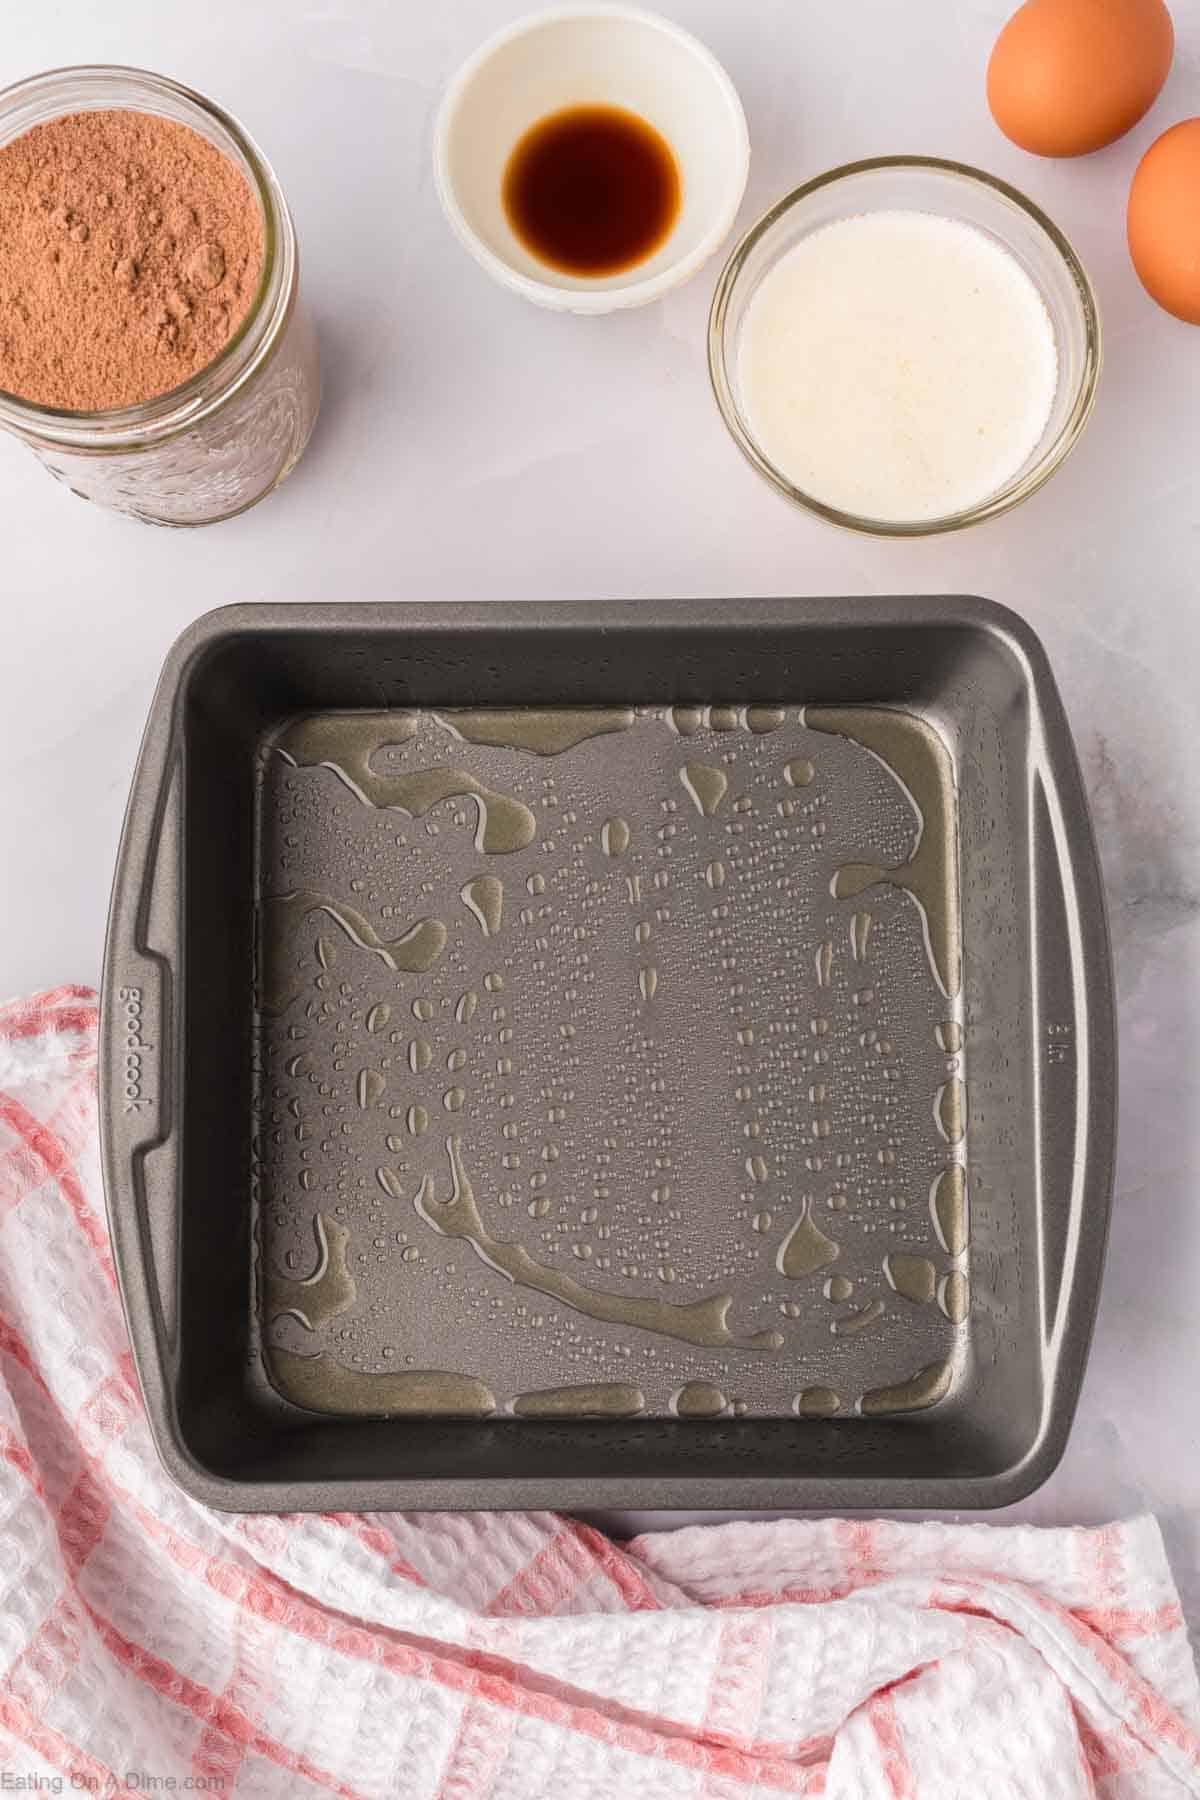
1014,491
585,299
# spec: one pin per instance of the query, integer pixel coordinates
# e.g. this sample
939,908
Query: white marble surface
472,448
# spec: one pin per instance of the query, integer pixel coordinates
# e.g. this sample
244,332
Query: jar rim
84,87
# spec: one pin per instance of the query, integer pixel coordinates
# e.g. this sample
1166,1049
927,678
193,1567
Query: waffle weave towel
148,1645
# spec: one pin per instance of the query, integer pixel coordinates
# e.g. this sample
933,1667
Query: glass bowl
954,191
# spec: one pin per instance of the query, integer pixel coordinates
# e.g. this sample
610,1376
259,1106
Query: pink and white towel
148,1645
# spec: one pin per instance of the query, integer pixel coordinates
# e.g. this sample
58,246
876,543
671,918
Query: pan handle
138,1052
1076,1062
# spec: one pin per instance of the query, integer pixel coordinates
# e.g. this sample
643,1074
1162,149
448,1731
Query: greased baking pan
633,1055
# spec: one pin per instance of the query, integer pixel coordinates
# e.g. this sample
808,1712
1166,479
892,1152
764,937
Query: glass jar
229,435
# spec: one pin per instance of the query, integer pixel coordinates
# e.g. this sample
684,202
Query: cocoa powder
130,252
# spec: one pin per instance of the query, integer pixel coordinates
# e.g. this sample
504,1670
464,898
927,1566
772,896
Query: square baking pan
628,1055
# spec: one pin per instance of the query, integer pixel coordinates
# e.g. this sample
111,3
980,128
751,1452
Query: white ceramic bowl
591,55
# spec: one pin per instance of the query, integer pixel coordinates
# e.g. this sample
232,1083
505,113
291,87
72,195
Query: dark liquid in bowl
592,190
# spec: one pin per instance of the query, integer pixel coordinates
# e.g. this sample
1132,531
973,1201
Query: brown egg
1069,76
1164,221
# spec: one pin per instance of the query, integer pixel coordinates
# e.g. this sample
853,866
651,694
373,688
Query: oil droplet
318,1297
824,962
394,1143
799,772
762,1221
326,952
281,918
837,1288
536,884
456,1060
925,1388
954,1296
860,935
322,1385
641,931
817,1403
453,1099
464,1012
614,836
913,1277
588,1400
422,1009
916,757
494,983
806,1248
948,1206
378,1016
702,1322
484,897
706,785
851,1323
417,1120
950,1111
420,1055
370,1087
762,719
949,1036
698,1400
686,720
390,1182
722,718
546,731
347,743
715,874
756,1168
648,982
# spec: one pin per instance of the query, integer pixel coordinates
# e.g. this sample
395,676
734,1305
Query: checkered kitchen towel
150,1646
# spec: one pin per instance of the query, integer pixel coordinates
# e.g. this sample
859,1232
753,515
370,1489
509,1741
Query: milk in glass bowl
905,346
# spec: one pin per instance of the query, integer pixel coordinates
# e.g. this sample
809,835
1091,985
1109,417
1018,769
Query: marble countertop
473,448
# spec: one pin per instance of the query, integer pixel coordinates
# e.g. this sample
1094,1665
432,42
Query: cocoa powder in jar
130,252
